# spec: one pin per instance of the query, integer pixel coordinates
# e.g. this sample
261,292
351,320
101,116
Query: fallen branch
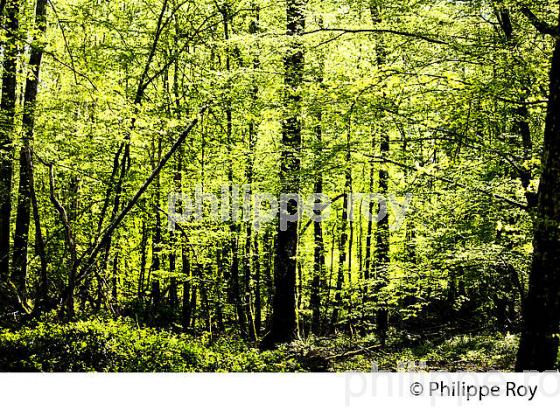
352,353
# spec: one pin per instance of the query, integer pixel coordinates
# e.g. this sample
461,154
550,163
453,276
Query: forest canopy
439,118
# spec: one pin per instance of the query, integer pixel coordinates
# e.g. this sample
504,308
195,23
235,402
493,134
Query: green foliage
486,352
460,99
120,346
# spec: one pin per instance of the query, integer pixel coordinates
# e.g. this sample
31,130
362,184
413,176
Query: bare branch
542,26
92,252
380,31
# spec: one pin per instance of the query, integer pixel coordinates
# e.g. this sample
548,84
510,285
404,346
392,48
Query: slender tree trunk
205,272
341,261
366,297
350,189
269,247
382,244
156,296
23,219
143,261
319,244
382,233
318,270
369,234
186,268
219,297
67,307
520,112
173,293
235,288
344,238
257,279
247,285
115,279
7,114
249,258
41,300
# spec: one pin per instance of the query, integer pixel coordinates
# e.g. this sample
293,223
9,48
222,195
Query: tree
7,114
538,347
283,327
26,188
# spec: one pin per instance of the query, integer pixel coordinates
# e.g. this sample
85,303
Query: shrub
120,346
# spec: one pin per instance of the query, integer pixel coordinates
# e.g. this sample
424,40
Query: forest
279,186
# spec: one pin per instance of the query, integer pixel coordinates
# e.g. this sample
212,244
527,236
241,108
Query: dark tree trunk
382,233
319,244
247,268
247,282
341,256
283,327
318,269
67,306
156,296
173,293
115,279
7,114
143,260
249,250
186,268
23,219
269,247
235,291
43,291
349,188
366,296
233,246
257,278
520,113
205,276
192,305
369,234
382,244
344,238
219,297
538,346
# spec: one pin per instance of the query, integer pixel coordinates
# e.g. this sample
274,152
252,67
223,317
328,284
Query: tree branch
459,184
542,26
92,252
380,31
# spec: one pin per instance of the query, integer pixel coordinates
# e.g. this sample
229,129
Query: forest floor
120,345
462,352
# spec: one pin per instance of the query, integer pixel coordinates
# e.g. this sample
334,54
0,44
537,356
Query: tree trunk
538,347
319,244
7,114
257,279
382,245
283,327
143,261
186,269
342,245
249,250
23,219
